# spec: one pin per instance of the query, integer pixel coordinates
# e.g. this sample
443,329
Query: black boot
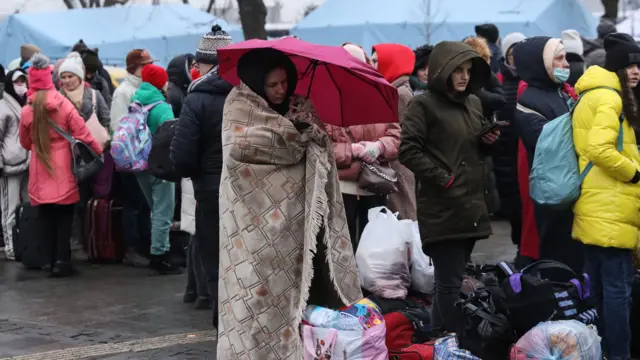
62,269
162,265
202,303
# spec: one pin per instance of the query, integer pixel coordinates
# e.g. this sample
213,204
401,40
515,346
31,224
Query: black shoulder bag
86,163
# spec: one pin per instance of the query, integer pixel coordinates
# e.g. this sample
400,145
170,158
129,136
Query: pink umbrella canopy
344,90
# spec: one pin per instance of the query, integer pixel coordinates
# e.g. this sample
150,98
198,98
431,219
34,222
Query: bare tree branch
253,16
185,2
108,3
210,6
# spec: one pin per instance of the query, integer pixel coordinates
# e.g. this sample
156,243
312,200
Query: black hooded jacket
196,148
544,101
542,95
179,80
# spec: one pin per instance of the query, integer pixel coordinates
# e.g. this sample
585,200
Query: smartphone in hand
493,127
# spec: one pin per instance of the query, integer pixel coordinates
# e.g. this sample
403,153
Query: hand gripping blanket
279,197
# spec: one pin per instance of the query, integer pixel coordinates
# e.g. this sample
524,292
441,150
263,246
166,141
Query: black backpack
545,291
487,332
160,164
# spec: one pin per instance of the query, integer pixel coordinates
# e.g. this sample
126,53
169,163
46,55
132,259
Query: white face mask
20,89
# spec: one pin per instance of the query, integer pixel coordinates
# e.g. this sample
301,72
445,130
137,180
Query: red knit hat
155,75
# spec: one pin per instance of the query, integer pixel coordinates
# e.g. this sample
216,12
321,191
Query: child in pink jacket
52,184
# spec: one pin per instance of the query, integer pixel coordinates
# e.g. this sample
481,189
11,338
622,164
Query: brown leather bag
379,179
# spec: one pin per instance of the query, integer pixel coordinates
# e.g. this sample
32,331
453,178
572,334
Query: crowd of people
271,192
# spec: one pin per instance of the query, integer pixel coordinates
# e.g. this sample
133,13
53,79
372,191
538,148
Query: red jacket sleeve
391,142
24,132
500,78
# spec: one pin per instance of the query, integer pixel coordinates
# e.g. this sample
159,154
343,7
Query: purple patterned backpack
131,142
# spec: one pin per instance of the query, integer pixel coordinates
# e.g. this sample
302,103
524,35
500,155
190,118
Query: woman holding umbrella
281,210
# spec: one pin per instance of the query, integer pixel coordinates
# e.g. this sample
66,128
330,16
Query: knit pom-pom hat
40,74
72,64
207,52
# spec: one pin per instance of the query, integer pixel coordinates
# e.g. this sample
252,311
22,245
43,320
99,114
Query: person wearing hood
441,144
505,150
353,145
88,102
160,194
575,49
491,33
14,159
196,152
135,211
179,80
492,98
606,214
395,62
594,53
53,187
420,74
542,64
92,66
280,206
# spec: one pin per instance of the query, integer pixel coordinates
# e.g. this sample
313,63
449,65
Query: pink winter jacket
61,187
349,166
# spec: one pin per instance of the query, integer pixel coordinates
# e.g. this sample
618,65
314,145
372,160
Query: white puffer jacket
188,209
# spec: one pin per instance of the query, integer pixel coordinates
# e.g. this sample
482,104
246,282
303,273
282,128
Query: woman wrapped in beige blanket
284,239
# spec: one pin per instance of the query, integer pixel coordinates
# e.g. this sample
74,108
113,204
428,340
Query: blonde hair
40,130
480,46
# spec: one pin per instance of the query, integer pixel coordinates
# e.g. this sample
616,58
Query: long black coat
179,80
196,149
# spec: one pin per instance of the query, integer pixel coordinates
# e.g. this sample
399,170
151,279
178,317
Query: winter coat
607,213
179,80
492,98
577,66
496,57
440,145
349,166
395,63
196,148
148,94
188,207
546,98
14,159
86,110
61,186
107,77
100,84
122,99
505,150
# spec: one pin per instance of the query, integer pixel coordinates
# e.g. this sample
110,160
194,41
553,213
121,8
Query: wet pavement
112,312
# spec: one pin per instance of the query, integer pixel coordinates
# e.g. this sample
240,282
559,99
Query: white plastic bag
422,274
383,256
559,340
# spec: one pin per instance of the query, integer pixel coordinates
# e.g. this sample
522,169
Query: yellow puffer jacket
607,213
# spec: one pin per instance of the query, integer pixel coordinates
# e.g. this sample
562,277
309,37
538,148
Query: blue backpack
555,177
131,142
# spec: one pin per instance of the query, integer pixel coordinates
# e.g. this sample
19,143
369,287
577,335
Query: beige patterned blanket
279,189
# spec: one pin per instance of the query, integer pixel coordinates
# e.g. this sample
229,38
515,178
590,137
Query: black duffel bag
487,333
545,291
160,164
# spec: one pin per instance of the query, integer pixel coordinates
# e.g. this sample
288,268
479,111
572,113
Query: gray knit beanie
207,52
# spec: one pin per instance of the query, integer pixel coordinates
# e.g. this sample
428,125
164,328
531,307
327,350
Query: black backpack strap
547,265
481,312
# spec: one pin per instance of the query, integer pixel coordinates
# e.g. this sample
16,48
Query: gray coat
102,110
14,159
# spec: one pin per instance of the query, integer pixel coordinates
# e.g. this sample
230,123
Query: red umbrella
344,90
